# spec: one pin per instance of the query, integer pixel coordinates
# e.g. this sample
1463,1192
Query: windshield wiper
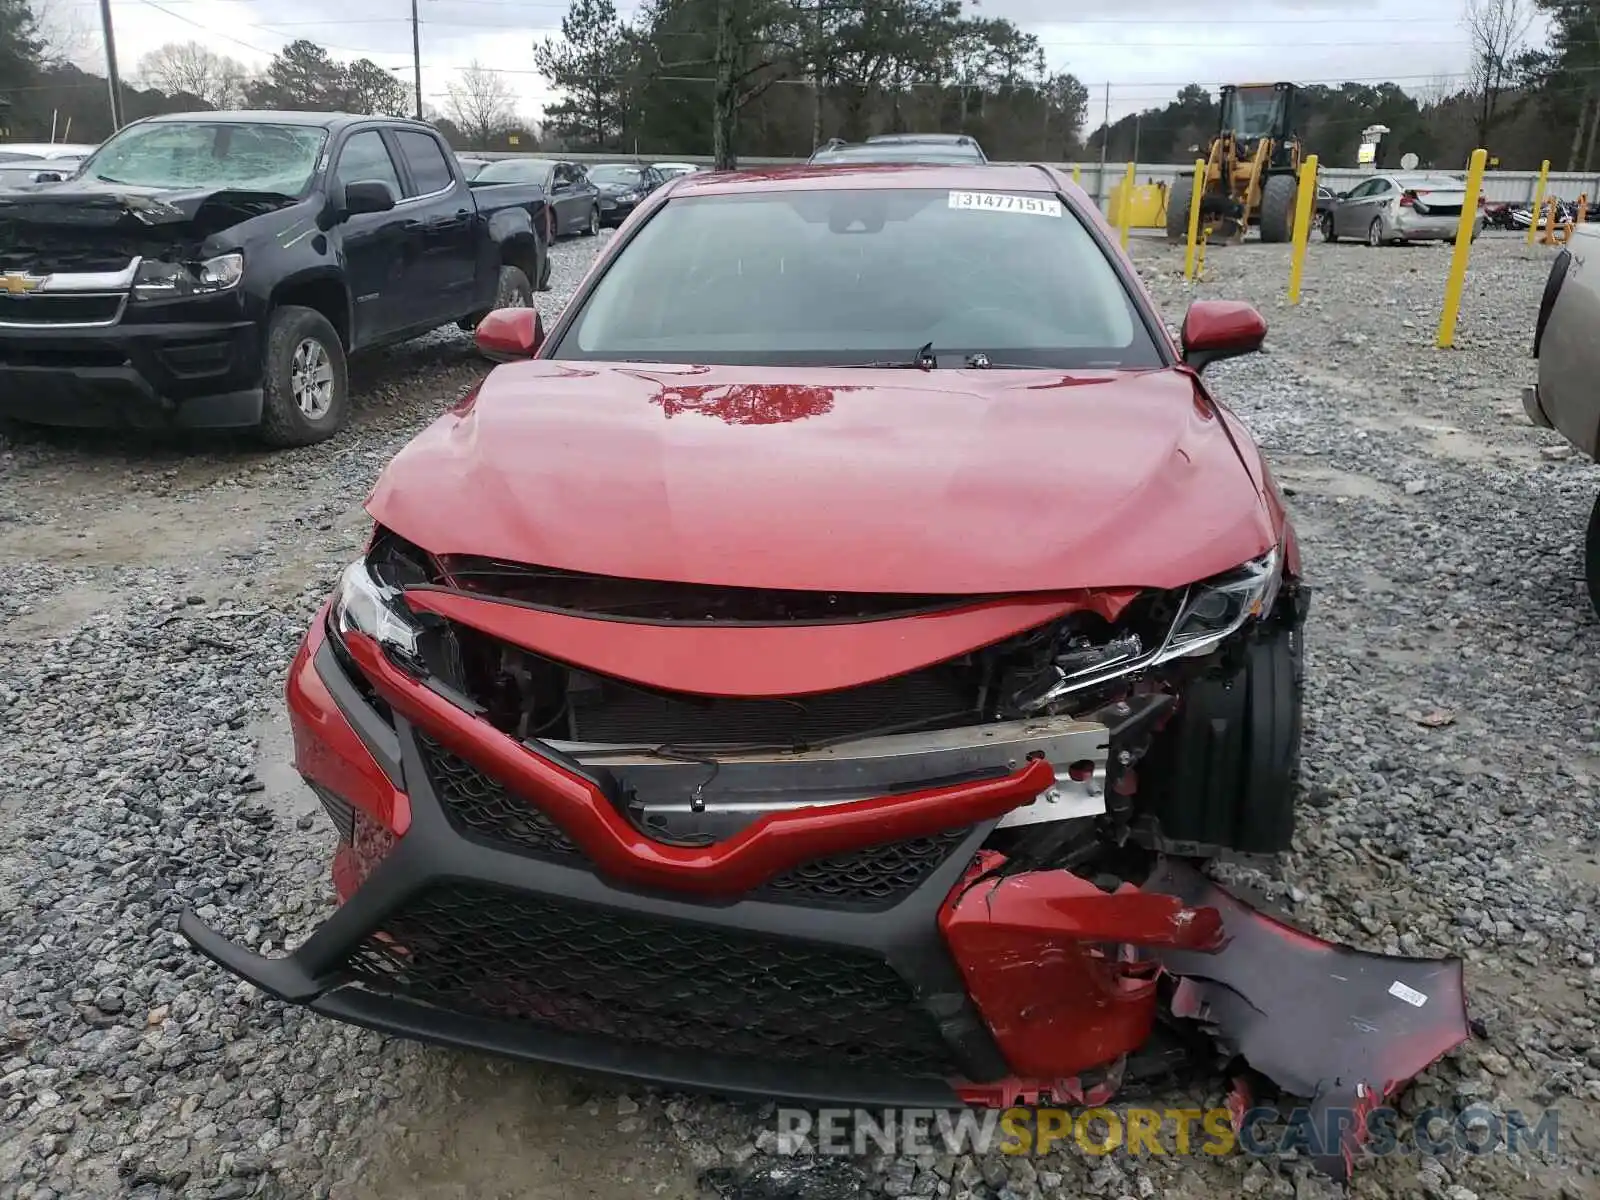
926,360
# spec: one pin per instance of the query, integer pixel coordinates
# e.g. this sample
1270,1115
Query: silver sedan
1411,207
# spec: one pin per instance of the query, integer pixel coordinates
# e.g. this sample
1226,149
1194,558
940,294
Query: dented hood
953,482
87,204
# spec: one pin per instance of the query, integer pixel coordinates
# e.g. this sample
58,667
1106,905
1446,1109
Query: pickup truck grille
62,308
55,260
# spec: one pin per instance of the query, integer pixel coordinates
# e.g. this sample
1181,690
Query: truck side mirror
367,196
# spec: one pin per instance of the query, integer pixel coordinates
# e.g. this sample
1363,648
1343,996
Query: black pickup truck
214,270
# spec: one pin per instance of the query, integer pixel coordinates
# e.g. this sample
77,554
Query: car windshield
212,154
514,170
890,152
852,277
627,176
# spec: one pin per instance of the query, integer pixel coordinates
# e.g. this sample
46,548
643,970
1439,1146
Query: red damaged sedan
819,668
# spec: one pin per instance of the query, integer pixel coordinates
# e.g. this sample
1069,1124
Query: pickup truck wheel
514,291
593,227
1591,556
307,389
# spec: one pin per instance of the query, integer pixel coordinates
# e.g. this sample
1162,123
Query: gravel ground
154,592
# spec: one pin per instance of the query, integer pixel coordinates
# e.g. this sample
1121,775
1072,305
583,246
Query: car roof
984,177
47,149
947,138
331,121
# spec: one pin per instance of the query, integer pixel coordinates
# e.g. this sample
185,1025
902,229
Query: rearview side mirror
1217,329
48,177
508,334
367,196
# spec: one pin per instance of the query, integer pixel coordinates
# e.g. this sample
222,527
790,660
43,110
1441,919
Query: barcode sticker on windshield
1038,206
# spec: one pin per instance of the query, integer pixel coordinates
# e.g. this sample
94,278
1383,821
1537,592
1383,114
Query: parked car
1565,397
470,167
964,141
671,170
575,204
621,187
1402,207
724,700
215,269
923,150
24,164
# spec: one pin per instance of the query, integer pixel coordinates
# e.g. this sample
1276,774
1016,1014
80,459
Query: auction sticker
1410,995
1037,206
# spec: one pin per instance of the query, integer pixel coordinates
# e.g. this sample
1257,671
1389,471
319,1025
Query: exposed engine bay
1197,709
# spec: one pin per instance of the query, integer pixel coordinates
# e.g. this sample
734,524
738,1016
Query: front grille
61,308
484,810
610,711
659,600
480,808
36,259
877,877
690,989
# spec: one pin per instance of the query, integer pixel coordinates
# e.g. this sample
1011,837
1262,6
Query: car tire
1375,232
513,290
592,229
1278,195
306,385
1591,557
1223,775
1325,227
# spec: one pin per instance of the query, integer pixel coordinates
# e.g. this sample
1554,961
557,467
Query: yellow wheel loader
1252,167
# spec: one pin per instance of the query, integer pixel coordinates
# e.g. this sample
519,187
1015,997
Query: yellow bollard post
1126,213
1194,217
1305,203
1538,200
1077,174
1458,260
1581,213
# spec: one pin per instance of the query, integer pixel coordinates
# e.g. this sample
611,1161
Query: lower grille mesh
480,807
690,989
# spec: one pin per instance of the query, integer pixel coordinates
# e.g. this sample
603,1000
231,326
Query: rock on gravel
155,591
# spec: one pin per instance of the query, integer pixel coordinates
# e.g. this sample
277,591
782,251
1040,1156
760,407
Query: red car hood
944,482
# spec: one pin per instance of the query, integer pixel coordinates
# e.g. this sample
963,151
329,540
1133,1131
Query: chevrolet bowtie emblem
20,284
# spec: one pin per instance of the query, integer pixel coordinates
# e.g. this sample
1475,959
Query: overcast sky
1144,49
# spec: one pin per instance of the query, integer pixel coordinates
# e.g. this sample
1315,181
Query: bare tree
63,30
1497,31
189,67
480,104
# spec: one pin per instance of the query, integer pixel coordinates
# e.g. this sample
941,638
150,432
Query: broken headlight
159,279
363,603
1216,608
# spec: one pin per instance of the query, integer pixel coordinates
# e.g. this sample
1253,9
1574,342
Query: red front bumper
978,987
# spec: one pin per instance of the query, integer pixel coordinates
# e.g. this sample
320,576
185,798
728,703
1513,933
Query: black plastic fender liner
1547,301
1221,776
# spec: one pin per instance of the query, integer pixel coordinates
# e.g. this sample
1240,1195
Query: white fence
1497,185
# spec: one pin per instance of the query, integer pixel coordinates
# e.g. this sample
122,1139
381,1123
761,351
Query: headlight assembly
159,279
1210,612
364,604
1219,607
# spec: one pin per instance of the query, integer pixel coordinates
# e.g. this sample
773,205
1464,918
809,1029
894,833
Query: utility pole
416,53
112,79
1105,137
